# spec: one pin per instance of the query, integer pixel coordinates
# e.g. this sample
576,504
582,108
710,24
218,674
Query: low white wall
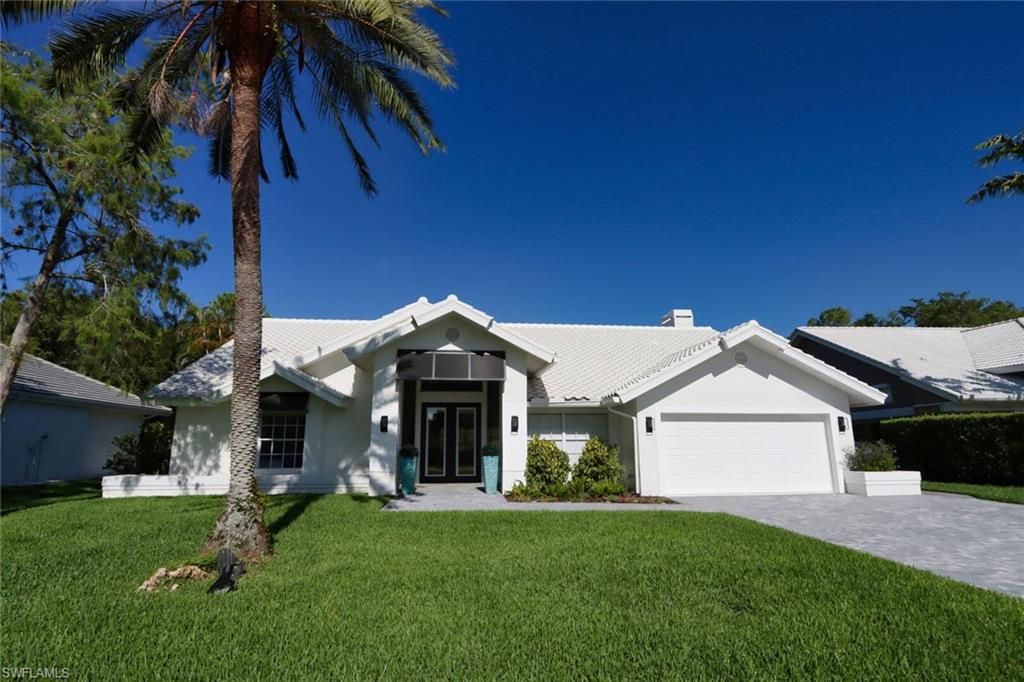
883,483
175,486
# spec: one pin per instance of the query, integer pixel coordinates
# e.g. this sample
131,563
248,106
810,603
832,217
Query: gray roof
40,379
958,362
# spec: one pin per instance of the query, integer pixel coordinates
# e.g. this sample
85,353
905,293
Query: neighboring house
926,369
694,411
59,424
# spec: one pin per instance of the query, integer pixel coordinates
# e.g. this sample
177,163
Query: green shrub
409,451
984,448
148,452
490,450
605,489
871,455
546,464
599,464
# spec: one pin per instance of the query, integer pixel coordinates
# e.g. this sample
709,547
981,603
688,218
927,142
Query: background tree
947,309
832,317
950,309
227,70
70,202
1001,148
211,326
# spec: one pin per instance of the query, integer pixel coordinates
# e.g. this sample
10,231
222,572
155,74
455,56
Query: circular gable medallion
740,357
452,334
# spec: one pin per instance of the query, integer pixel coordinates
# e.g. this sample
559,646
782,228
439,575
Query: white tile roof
592,361
43,380
951,360
283,340
997,345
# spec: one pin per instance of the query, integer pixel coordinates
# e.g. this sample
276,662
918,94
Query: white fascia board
369,345
312,385
902,374
865,395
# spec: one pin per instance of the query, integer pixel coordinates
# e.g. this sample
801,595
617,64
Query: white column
513,404
382,456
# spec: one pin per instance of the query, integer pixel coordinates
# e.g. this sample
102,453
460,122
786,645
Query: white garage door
743,454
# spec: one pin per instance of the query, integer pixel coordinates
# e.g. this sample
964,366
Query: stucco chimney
677,317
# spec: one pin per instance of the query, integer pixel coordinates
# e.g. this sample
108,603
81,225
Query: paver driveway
964,538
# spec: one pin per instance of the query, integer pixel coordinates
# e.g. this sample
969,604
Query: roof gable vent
677,317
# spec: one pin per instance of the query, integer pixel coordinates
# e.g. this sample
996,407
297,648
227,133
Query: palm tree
229,70
1000,148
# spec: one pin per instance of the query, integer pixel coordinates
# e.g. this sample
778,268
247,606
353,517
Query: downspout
636,446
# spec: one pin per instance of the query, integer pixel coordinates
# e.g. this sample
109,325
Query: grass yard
358,594
998,493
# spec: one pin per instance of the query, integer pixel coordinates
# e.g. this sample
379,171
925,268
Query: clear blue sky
607,162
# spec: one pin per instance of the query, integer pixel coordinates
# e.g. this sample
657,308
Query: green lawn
999,493
358,594
13,498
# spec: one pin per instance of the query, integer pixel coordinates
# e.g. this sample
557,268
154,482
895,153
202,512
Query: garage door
743,454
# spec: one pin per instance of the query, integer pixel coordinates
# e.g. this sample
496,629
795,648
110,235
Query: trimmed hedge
985,448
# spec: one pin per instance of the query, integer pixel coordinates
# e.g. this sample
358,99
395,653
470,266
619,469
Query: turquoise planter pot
407,469
491,474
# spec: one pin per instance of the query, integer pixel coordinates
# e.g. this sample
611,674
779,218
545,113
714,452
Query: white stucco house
59,424
695,411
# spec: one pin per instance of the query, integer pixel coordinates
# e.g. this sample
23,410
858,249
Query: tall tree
229,69
71,203
952,309
997,149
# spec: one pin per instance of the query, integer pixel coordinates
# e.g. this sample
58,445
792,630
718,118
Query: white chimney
677,317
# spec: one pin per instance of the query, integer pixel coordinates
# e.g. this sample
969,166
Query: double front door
450,443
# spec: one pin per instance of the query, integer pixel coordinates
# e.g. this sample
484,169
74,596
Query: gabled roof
684,359
209,378
960,363
571,363
423,315
39,379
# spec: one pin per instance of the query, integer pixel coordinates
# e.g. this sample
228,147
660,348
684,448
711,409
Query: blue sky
607,162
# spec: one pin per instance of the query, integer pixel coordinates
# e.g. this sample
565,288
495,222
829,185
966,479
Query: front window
282,431
281,441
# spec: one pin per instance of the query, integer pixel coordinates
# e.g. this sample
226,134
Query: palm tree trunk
33,307
250,49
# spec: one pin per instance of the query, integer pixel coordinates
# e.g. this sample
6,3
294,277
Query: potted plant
408,458
491,454
871,471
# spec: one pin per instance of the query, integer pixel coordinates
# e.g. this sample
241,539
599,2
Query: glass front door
450,443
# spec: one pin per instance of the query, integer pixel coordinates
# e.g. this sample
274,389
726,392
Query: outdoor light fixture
384,424
842,425
515,424
649,421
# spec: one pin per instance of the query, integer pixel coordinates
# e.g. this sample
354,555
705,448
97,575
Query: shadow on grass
294,511
16,498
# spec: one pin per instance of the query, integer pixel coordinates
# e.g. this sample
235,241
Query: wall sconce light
649,422
515,424
384,424
842,425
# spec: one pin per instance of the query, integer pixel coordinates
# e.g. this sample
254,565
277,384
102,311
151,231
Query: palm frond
219,160
97,43
24,11
366,182
391,27
1000,186
1003,147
